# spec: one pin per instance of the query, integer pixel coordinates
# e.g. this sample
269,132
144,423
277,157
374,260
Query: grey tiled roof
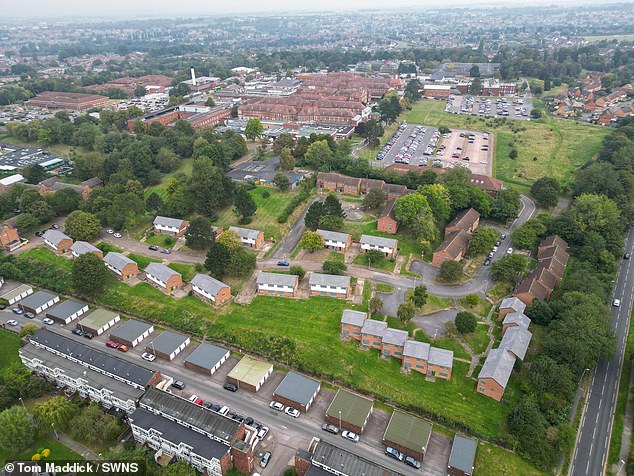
518,318
374,328
395,336
378,241
118,260
512,303
277,279
354,318
334,235
417,350
442,357
463,452
160,271
329,280
208,284
167,221
498,366
516,339
245,232
55,236
83,247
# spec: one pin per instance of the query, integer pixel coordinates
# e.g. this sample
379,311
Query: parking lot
466,148
408,145
517,108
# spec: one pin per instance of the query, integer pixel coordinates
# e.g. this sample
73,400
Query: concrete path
77,447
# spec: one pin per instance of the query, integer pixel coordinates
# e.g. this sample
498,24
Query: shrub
466,322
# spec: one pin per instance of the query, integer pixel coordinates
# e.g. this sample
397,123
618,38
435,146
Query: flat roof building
250,373
131,332
15,294
38,302
297,391
349,411
462,456
408,434
67,311
207,358
98,321
168,345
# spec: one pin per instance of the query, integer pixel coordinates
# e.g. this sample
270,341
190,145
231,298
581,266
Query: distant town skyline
148,8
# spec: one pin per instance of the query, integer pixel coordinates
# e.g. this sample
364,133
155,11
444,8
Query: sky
154,8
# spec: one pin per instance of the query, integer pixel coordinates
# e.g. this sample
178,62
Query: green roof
250,371
408,431
98,318
354,408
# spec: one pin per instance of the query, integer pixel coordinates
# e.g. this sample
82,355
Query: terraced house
428,360
387,246
372,333
334,240
329,285
352,324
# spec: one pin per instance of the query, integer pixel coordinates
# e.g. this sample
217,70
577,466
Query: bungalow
83,247
170,226
251,238
122,266
333,240
495,373
210,289
440,363
352,323
276,284
394,342
516,341
372,333
387,222
163,277
58,241
329,285
416,356
510,304
387,246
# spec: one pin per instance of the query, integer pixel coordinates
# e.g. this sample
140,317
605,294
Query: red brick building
457,234
198,116
387,222
68,101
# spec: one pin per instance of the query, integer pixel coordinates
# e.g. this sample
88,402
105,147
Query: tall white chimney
193,77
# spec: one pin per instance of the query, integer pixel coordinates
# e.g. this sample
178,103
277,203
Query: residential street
593,440
290,241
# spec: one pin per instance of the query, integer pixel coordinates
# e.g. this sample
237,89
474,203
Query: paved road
596,426
290,241
134,246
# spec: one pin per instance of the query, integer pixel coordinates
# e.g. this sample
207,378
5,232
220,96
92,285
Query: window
481,389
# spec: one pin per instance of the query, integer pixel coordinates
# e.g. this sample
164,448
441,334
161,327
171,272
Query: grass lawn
59,452
384,264
435,303
142,261
9,343
547,147
107,248
187,270
500,290
495,461
384,288
481,309
162,241
265,217
478,340
47,256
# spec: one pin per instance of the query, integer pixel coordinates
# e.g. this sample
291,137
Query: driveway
392,301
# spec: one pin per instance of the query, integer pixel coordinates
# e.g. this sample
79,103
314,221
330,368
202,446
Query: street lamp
340,419
22,402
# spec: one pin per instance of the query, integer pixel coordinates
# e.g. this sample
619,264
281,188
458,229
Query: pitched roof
297,388
374,328
118,260
517,318
92,182
167,221
455,243
160,271
208,284
278,279
55,236
388,209
83,247
334,457
37,299
353,318
465,219
553,240
395,336
513,303
442,357
416,350
245,232
516,340
334,235
378,241
65,309
318,279
498,366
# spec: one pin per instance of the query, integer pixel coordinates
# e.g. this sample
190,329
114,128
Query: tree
154,202
312,241
474,72
17,429
139,91
540,312
242,262
211,187
438,199
419,296
506,205
375,305
414,213
199,234
82,226
253,129
546,191
284,141
287,161
297,271
482,240
389,107
281,181
28,329
57,411
218,258
64,201
406,311
450,271
510,268
313,215
93,426
475,87
245,206
26,223
34,173
332,206
230,239
457,175
375,199
331,222
210,102
89,274
318,154
42,211
373,257
472,299
16,381
466,322
333,266
412,90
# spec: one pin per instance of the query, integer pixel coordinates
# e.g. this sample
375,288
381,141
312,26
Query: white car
616,303
292,412
193,398
117,235
509,251
12,322
276,406
147,356
348,435
48,321
109,231
263,432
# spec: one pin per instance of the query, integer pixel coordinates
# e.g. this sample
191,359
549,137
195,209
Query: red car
198,401
122,348
112,345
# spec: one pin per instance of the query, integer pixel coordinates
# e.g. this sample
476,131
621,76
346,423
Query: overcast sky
119,8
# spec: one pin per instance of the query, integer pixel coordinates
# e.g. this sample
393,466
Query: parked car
12,322
394,453
165,251
616,303
2,307
249,421
88,335
196,400
509,251
487,262
283,263
262,432
208,405
626,256
48,321
498,243
55,226
294,412
147,356
224,410
503,237
39,233
265,459
276,406
17,310
109,231
215,408
180,385
117,235
112,345
349,435
123,348
330,428
414,463
29,315
78,332
231,387
153,248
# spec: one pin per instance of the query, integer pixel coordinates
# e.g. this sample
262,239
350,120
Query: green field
9,343
187,270
492,460
162,241
47,256
384,264
59,452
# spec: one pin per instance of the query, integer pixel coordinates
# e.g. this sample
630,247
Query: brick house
387,246
368,184
329,285
329,181
515,319
170,226
210,289
351,185
393,342
248,237
276,284
57,241
334,240
452,248
467,220
387,222
416,356
510,304
440,363
122,266
163,277
9,238
516,340
372,333
495,373
352,323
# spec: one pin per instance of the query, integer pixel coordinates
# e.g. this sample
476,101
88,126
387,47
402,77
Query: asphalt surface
590,456
290,241
400,142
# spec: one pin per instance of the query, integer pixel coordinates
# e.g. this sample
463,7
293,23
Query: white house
335,240
329,285
276,284
170,226
387,246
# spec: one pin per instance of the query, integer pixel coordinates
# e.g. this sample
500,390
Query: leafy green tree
212,189
312,241
318,154
57,411
83,226
34,173
17,429
529,234
199,235
450,271
218,258
540,312
253,129
414,213
244,205
457,175
482,240
506,205
139,91
472,299
375,305
406,311
547,376
16,381
89,274
167,160
546,191
373,257
281,181
230,239
412,90
64,201
154,202
466,322
438,199
92,426
330,222
284,141
390,107
28,329
475,87
419,296
287,161
375,199
242,262
210,102
510,268
313,215
26,223
332,266
297,271
42,211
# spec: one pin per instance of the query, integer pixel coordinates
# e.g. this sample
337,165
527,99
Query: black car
231,387
2,307
78,332
178,384
39,233
487,262
208,405
88,335
29,315
626,256
153,248
498,243
248,421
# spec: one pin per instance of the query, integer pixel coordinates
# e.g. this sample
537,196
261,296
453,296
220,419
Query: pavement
593,440
292,238
434,324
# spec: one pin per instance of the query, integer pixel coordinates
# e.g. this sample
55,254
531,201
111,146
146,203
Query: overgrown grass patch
142,261
106,248
9,343
384,263
163,241
59,452
47,256
495,461
188,271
